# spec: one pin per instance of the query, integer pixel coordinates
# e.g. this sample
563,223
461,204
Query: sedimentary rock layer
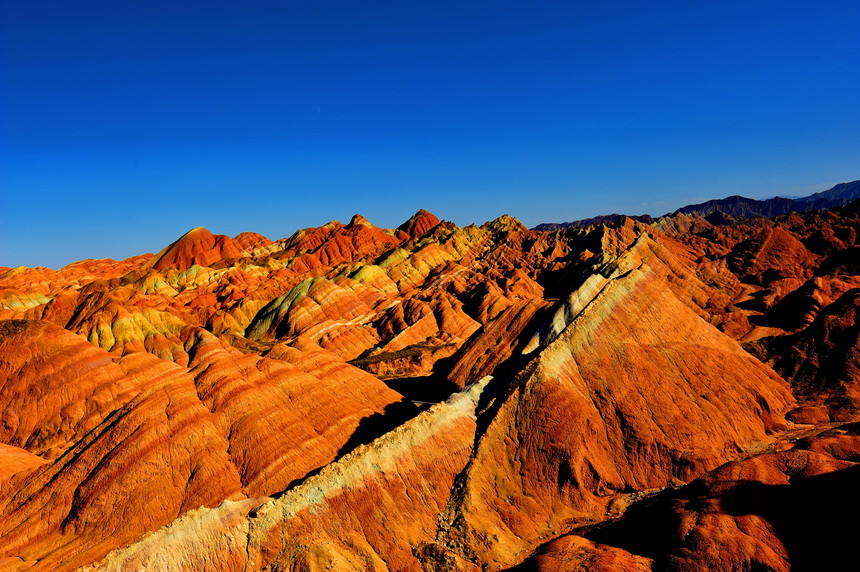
624,396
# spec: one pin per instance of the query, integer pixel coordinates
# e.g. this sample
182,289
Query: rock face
620,396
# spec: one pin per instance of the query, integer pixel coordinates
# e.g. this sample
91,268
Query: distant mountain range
723,211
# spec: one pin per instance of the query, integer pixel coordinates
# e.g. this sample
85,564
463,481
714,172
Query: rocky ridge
429,397
725,211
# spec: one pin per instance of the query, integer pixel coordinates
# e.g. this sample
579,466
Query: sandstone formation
197,246
624,395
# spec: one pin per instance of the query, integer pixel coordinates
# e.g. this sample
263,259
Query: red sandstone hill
673,394
197,246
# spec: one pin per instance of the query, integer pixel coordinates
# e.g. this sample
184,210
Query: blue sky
123,124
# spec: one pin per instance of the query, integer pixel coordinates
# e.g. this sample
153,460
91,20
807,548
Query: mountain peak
197,246
357,219
505,223
419,223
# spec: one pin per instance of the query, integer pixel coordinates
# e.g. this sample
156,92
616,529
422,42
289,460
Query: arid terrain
681,393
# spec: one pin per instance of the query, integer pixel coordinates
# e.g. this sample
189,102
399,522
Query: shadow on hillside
378,424
425,389
367,430
814,518
649,528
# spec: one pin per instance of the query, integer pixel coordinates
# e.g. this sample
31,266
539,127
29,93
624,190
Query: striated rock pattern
197,246
623,395
795,281
597,413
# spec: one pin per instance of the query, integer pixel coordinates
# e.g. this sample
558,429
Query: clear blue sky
125,123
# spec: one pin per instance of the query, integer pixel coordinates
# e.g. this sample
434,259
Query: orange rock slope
434,398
